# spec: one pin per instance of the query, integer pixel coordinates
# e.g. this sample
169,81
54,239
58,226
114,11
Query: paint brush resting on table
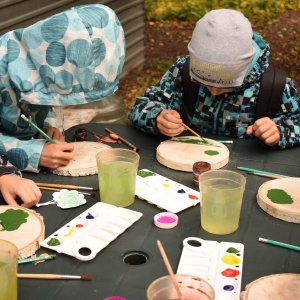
58,190
67,186
53,276
38,258
123,140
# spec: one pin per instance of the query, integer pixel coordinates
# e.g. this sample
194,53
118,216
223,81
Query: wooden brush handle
40,276
58,186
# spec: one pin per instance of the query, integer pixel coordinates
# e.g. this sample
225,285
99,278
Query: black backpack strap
190,94
270,94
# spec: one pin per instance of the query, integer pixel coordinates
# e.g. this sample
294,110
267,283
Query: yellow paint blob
166,185
70,232
230,259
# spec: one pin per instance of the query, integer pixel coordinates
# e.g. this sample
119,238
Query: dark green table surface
111,276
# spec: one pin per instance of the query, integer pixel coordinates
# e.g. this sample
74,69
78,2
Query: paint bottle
199,167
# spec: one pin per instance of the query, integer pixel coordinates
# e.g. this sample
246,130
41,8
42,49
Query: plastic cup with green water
117,171
221,193
8,270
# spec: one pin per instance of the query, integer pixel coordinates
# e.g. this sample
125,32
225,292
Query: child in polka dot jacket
71,58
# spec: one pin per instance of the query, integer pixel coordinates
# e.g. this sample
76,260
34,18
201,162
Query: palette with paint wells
221,264
91,231
165,193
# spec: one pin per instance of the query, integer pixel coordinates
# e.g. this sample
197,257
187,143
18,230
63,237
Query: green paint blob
211,152
191,141
279,196
54,242
12,219
232,250
144,173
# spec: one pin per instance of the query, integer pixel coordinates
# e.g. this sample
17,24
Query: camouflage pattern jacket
227,114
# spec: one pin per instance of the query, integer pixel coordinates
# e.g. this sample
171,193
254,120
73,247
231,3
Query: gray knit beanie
221,48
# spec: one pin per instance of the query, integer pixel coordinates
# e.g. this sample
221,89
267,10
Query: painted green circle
279,196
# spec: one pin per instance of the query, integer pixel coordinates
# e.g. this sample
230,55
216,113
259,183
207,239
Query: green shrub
192,10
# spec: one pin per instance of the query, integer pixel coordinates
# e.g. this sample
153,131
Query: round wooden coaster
180,153
273,287
22,227
84,162
281,198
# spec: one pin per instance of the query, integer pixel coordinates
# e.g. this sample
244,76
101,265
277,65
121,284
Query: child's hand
169,123
266,130
13,186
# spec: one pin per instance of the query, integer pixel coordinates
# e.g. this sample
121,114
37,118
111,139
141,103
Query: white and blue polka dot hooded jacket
71,58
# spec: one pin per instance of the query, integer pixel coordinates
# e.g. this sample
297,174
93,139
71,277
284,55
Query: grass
192,10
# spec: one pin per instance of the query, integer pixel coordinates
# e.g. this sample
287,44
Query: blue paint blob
89,216
181,191
228,288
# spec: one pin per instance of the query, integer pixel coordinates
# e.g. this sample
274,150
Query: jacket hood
260,60
74,57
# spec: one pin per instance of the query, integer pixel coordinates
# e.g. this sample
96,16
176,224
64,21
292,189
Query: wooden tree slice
289,212
274,287
22,227
180,153
84,162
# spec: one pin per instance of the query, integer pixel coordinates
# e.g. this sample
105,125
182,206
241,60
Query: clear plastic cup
8,270
191,288
221,193
117,171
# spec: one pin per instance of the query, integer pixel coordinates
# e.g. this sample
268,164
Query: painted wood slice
281,199
84,162
274,287
22,227
180,153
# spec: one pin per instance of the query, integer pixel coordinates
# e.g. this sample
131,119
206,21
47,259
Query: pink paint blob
166,220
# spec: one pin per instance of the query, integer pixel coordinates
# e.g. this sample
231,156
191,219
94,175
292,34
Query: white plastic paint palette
91,231
165,193
221,264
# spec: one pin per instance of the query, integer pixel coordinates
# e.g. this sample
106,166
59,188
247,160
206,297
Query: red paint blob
193,197
79,225
166,220
230,273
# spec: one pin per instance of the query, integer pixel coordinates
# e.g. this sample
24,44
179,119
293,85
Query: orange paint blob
230,273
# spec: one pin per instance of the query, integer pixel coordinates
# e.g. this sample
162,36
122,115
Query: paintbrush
123,140
189,129
169,268
67,186
265,175
53,276
38,129
57,190
260,172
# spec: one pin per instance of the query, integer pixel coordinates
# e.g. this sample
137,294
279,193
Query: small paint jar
199,167
166,220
